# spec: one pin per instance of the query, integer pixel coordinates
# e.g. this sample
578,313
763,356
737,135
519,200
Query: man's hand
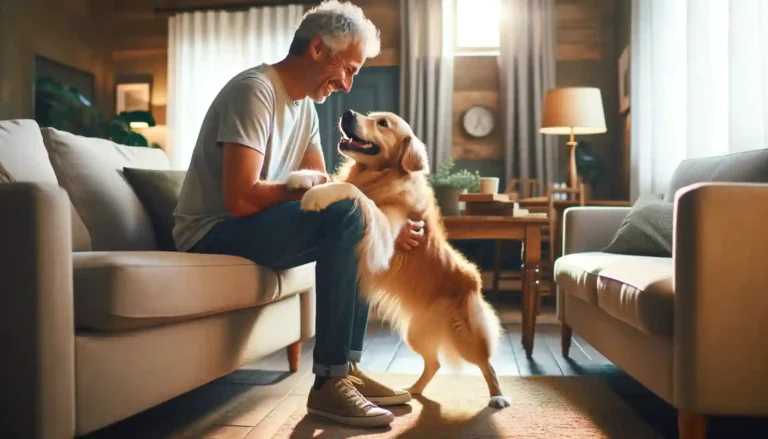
412,233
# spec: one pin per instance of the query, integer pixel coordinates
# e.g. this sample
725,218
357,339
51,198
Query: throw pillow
159,192
647,230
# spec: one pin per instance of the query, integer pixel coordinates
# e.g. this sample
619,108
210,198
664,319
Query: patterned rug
455,407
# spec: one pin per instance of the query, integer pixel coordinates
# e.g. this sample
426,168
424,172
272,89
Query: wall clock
478,121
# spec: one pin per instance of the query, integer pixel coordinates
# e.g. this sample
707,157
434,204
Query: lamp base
573,173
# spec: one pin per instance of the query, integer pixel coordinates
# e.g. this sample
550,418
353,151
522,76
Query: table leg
532,258
523,291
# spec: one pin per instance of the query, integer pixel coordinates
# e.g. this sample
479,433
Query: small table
526,229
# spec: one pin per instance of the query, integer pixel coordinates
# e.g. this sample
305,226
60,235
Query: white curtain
426,73
205,50
699,84
526,72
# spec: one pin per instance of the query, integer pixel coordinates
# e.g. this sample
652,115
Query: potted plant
448,184
62,106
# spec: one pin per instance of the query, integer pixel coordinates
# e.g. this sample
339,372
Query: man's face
334,72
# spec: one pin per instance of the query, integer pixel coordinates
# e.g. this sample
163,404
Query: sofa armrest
36,312
721,298
591,228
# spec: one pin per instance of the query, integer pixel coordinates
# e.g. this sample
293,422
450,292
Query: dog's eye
383,123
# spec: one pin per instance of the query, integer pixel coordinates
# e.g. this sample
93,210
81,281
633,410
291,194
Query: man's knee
346,213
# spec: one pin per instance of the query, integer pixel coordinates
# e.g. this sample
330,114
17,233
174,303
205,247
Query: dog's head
381,140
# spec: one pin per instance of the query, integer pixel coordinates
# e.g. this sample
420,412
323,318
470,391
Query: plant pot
448,200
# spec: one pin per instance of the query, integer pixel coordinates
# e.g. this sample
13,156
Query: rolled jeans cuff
337,370
355,356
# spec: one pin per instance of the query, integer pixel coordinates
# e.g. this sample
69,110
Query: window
477,27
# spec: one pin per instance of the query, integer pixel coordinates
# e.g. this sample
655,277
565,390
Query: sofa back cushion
742,167
23,158
91,171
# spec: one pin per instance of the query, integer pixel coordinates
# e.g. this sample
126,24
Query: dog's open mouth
351,142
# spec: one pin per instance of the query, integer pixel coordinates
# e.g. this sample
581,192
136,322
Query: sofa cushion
647,230
117,291
746,167
577,273
639,291
90,170
159,192
24,158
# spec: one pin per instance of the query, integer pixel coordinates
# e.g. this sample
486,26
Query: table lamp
571,111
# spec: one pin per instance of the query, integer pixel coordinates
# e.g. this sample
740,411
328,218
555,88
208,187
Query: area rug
454,406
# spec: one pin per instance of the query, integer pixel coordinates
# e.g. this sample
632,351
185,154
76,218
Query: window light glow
478,24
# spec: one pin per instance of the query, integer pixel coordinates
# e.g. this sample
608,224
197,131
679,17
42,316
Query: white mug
489,185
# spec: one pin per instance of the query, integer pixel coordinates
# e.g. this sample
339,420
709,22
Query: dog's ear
413,155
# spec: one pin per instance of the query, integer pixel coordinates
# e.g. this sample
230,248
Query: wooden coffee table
525,229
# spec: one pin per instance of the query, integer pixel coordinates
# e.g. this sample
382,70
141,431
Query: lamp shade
577,108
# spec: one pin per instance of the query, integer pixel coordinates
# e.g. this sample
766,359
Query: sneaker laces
362,378
346,387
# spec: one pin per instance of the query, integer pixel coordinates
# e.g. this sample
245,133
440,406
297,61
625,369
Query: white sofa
98,323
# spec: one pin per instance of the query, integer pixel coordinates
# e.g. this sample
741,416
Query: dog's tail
475,333
484,322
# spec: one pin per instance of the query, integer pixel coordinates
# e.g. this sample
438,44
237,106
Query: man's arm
313,159
244,193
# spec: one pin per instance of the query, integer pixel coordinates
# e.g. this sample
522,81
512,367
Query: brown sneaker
339,400
375,391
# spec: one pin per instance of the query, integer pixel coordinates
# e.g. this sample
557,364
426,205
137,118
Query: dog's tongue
356,143
361,144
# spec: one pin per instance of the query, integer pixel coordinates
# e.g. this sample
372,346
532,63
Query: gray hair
338,24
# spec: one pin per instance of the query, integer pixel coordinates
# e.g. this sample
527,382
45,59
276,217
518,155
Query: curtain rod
233,6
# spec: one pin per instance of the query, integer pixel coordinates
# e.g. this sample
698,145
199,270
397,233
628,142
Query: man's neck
290,71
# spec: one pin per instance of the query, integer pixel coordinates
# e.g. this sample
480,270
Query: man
261,127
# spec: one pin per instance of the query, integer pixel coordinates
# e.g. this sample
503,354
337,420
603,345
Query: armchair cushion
647,230
577,273
640,291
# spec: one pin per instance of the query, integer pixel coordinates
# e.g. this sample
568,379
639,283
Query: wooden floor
232,406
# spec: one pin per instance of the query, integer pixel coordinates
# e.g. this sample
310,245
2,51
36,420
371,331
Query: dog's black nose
348,116
348,122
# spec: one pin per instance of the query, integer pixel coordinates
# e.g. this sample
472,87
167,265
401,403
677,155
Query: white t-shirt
252,109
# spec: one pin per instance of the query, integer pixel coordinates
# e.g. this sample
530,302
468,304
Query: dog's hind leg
428,351
498,400
474,346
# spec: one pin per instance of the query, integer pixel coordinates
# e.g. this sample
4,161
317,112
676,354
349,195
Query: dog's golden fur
431,294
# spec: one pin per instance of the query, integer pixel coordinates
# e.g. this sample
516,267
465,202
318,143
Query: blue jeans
283,237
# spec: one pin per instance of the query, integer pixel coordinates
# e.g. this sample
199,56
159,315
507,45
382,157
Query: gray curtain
426,73
526,72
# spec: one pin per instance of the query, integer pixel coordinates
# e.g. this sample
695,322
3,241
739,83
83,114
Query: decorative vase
448,200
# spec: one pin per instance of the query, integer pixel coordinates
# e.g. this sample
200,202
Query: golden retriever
431,294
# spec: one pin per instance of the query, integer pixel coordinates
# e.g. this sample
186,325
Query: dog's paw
305,179
498,402
320,197
415,390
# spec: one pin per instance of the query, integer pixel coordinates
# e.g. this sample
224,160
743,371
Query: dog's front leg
382,227
320,197
306,179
